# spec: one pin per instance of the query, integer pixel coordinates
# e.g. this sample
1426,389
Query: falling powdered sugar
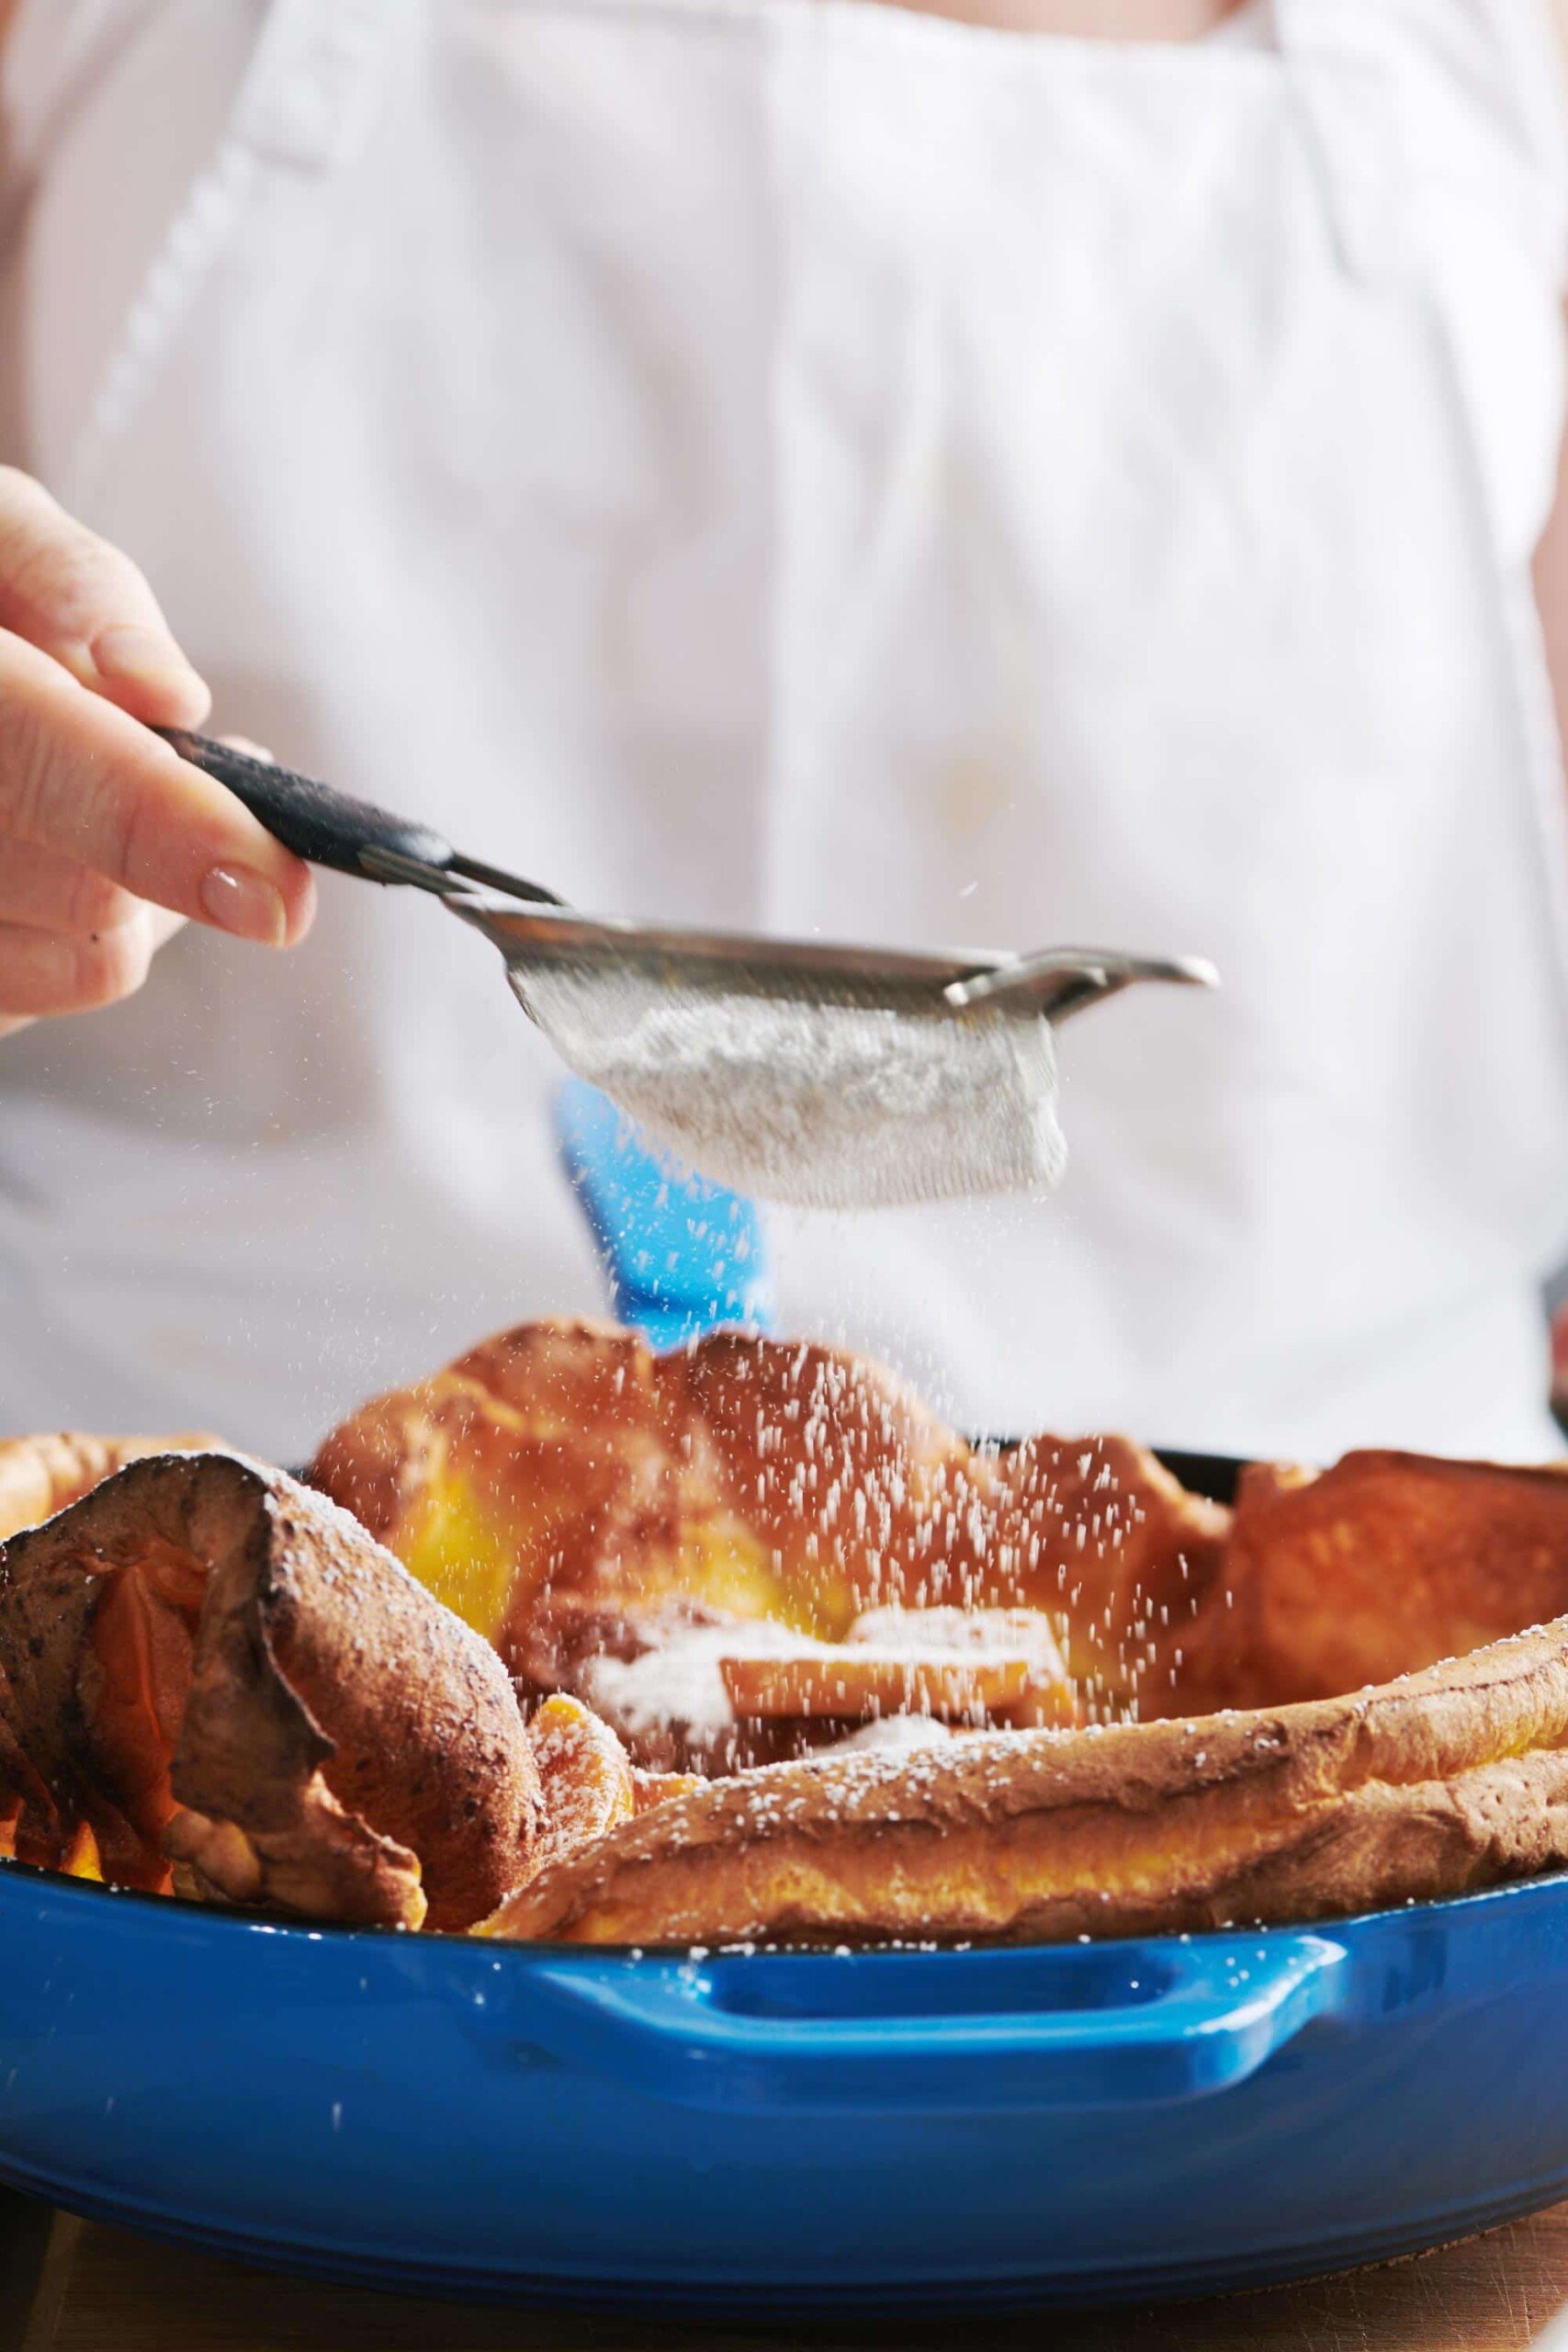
822,1104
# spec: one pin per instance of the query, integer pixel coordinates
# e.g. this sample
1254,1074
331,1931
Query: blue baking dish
748,2132
766,2133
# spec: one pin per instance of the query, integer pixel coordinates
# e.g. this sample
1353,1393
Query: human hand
108,841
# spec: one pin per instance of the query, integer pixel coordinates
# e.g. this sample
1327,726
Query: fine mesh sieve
802,1070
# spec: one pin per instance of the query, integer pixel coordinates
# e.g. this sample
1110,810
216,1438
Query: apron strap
1352,103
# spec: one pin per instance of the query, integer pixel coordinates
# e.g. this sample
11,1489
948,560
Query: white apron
798,463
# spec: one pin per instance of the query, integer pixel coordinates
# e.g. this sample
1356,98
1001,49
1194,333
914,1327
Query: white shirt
801,464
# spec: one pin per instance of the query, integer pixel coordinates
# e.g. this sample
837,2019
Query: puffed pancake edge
1436,1784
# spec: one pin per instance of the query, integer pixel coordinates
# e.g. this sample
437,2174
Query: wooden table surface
69,2285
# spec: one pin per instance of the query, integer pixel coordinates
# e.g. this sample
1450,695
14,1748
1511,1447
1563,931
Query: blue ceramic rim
226,1917
718,2301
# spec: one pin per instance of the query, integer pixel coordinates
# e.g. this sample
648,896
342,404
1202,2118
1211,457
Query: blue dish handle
681,1255
1047,2028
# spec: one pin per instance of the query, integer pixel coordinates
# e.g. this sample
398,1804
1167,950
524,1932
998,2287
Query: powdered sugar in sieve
826,1103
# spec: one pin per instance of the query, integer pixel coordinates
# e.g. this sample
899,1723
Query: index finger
73,595
79,776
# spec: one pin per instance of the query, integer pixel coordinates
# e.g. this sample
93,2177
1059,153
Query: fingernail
245,903
143,658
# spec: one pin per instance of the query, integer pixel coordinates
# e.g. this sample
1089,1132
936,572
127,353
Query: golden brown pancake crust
594,1482
1315,1755
1380,1565
1425,1787
204,1655
39,1476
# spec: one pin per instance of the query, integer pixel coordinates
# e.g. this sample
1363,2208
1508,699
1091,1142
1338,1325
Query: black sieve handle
326,827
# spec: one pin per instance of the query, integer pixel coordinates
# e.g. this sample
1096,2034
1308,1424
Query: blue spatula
681,1255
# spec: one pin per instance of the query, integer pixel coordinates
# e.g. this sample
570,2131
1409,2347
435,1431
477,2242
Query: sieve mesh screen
826,1102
